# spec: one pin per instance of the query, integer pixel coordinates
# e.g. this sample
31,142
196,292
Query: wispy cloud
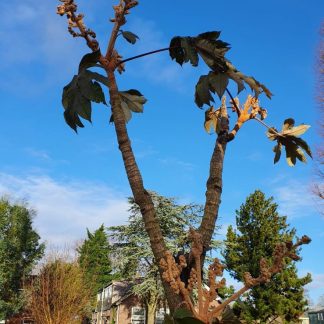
294,198
33,36
39,154
66,209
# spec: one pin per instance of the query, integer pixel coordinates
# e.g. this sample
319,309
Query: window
159,316
138,315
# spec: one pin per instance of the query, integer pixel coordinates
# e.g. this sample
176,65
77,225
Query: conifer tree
20,249
95,261
259,229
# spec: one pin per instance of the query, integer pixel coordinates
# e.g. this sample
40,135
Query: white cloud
66,209
294,199
33,35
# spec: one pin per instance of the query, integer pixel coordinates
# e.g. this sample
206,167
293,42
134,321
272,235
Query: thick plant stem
213,193
141,196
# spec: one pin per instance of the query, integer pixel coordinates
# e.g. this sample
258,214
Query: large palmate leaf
89,60
213,82
78,95
212,50
212,120
131,101
288,137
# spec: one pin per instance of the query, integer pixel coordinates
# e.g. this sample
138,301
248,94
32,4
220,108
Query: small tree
259,229
94,259
59,294
20,249
85,88
134,257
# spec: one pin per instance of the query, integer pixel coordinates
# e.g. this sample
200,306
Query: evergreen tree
133,244
259,228
94,258
19,251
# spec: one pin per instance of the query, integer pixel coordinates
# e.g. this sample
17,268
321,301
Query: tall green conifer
259,228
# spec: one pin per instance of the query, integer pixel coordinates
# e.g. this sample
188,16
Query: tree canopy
20,249
259,229
94,258
131,244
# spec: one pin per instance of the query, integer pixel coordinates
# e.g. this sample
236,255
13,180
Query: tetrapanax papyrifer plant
85,88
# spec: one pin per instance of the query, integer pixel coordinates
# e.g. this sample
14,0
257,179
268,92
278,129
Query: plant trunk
141,196
150,313
214,191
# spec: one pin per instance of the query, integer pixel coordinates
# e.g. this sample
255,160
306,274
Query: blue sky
78,181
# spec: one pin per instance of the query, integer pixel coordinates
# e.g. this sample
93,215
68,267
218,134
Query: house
316,316
118,304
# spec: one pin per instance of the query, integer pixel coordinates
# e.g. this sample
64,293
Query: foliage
58,294
289,138
132,242
183,49
94,259
20,249
260,228
212,51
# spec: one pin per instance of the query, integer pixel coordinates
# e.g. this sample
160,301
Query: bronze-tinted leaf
291,154
190,53
277,150
176,51
300,155
133,99
212,35
288,123
303,145
296,131
272,134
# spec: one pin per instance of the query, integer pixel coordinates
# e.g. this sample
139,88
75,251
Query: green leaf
89,60
202,94
190,53
277,150
182,313
75,105
168,319
176,51
77,97
129,36
189,320
218,83
296,131
184,316
91,90
98,77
